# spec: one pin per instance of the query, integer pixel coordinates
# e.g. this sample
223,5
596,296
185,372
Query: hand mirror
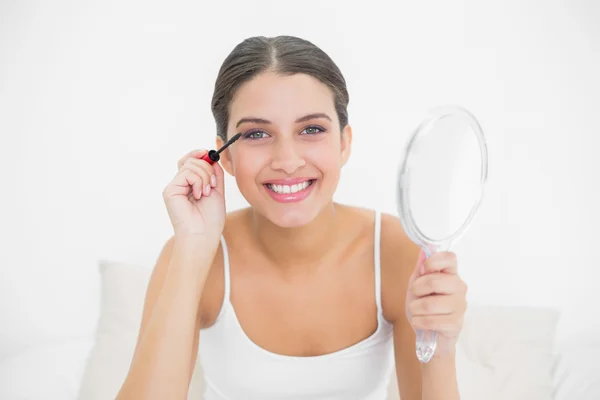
440,187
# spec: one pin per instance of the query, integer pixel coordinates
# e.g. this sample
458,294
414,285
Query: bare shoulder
398,257
356,217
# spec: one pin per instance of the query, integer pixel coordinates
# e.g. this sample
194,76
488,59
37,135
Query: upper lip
287,181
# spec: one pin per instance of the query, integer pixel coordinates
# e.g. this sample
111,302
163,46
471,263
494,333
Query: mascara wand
214,155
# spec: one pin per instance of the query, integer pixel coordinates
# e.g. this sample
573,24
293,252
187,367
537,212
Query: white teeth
283,189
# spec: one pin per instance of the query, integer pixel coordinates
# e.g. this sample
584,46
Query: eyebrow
267,122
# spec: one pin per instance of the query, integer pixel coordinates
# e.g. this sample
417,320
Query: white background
98,100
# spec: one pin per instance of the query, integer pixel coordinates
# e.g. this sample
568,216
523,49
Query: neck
297,248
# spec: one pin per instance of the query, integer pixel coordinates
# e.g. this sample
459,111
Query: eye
313,129
254,134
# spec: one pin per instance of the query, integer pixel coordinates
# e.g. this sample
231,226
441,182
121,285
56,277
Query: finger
205,170
215,171
444,261
192,154
438,304
437,283
183,183
194,180
438,323
219,178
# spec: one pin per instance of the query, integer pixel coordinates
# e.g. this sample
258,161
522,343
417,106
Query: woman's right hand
195,198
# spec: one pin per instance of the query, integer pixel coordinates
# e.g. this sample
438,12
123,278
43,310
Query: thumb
419,268
421,262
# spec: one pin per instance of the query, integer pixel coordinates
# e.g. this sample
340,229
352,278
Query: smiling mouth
289,189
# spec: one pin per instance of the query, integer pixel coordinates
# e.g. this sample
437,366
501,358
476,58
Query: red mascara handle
211,157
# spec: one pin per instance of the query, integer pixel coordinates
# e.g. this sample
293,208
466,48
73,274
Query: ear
225,160
346,144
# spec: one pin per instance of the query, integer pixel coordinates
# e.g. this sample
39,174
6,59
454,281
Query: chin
292,218
291,215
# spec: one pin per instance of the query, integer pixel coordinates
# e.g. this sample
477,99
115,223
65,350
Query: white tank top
237,368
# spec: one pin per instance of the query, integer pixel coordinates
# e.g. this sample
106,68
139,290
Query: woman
296,296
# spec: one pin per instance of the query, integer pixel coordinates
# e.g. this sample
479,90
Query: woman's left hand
436,299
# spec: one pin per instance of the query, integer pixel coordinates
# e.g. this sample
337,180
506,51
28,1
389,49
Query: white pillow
475,382
505,353
123,289
577,373
516,346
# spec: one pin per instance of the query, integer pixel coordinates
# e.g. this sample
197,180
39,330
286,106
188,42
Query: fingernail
207,190
213,181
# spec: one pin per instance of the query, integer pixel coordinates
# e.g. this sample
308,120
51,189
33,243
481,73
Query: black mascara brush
214,155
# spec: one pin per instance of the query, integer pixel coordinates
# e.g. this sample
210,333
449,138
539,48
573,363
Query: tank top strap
377,263
226,274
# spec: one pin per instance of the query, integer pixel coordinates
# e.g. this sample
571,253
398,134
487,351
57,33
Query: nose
287,157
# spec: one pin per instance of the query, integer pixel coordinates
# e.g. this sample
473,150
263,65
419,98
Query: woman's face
287,162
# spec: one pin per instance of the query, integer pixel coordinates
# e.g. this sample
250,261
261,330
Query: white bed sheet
50,371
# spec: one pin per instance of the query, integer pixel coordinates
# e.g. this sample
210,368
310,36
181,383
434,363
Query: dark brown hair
286,55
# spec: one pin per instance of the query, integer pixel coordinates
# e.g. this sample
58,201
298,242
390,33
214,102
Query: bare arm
165,354
398,257
435,380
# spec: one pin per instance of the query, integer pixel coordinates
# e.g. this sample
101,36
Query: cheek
247,164
326,157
